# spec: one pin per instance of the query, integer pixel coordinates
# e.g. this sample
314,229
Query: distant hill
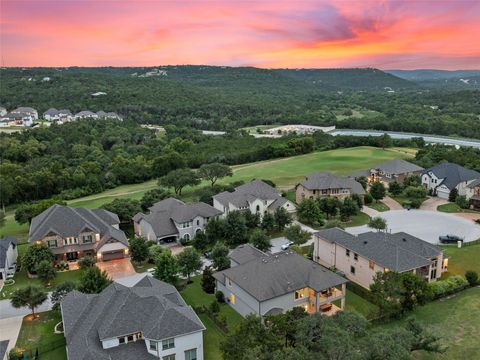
453,80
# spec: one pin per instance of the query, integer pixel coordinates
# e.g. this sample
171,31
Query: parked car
450,239
287,245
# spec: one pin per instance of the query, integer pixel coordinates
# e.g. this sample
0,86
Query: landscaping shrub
449,286
15,354
86,262
415,192
472,277
220,297
214,307
367,199
416,203
462,202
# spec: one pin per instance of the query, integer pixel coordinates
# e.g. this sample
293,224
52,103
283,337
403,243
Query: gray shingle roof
278,274
3,348
398,252
325,180
68,221
150,306
249,192
397,166
245,253
452,174
5,243
474,183
163,213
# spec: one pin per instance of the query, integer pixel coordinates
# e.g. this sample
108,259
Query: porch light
126,251
445,263
99,256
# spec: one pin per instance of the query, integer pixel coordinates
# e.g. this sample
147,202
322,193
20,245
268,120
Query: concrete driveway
8,311
391,203
117,269
426,225
9,330
432,203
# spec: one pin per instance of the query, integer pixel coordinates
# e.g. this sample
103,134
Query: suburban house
16,119
448,176
147,320
297,129
72,233
324,184
255,196
8,256
26,111
85,114
270,284
172,219
361,256
59,116
473,193
389,171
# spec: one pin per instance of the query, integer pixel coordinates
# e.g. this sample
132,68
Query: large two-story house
58,116
270,284
146,319
72,233
255,196
324,184
172,219
361,256
445,177
8,256
389,171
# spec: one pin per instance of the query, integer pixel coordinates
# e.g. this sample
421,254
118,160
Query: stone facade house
270,284
324,184
144,320
172,219
389,171
72,233
361,257
255,196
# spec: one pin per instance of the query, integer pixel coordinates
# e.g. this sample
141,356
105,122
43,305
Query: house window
186,224
433,274
191,354
130,338
186,237
138,335
52,243
371,264
198,222
347,252
169,357
153,345
121,340
352,270
355,256
87,239
258,208
168,344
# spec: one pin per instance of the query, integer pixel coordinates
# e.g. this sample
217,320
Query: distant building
297,129
389,171
16,119
85,114
99,93
26,111
59,116
324,184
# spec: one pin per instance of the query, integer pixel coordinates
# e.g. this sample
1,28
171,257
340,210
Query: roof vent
365,242
405,240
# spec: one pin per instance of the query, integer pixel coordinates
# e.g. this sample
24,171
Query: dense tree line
231,98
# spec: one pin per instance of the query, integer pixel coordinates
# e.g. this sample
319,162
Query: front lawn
357,220
454,208
463,259
456,320
379,206
39,333
354,302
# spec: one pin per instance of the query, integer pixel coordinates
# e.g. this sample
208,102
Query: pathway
391,203
370,212
10,328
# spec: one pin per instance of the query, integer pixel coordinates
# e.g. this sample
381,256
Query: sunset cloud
385,34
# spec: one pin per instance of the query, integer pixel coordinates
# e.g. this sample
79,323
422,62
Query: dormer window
52,243
168,344
87,239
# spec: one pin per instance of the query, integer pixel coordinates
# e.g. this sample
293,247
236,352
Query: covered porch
323,301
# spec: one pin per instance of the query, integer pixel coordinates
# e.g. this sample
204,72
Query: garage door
442,194
112,255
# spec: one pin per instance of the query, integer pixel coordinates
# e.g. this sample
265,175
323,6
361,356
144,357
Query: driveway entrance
117,269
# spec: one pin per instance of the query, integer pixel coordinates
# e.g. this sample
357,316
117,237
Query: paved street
278,242
426,225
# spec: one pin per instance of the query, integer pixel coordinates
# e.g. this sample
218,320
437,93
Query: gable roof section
452,174
150,306
249,192
325,180
397,166
245,253
474,184
67,221
398,252
278,274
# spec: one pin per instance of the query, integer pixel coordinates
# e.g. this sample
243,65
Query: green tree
329,205
348,209
124,208
378,223
86,262
452,196
35,254
309,212
415,192
377,190
31,296
215,230
93,281
297,235
220,260
214,171
45,271
235,229
26,212
462,202
363,181
153,196
167,162
268,222
252,220
259,239
154,251
208,281
178,179
189,262
282,218
166,268
395,188
59,293
412,180
138,249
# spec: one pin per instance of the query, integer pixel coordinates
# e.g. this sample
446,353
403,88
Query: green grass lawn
463,259
454,208
354,302
456,320
358,220
379,206
39,334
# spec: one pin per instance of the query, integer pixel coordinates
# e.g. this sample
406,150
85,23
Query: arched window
258,208
186,237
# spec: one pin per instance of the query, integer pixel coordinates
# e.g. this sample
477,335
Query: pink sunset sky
397,34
